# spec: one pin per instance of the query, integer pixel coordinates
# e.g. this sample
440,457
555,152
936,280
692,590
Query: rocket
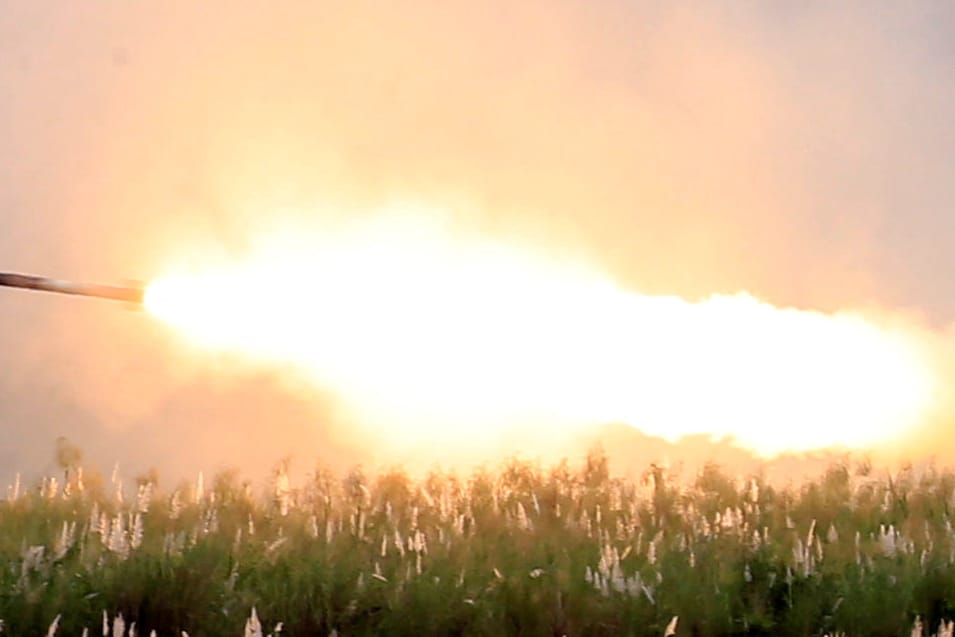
111,292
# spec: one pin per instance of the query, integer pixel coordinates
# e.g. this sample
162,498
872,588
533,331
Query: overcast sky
803,152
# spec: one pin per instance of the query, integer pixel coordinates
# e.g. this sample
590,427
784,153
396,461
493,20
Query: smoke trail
420,328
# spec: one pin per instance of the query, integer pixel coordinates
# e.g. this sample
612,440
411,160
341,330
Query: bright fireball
425,333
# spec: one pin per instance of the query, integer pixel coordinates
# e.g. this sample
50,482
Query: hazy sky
803,152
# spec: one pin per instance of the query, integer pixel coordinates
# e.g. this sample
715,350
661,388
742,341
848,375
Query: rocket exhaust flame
427,336
44,284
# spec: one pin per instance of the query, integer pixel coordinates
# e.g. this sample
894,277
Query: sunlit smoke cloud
433,336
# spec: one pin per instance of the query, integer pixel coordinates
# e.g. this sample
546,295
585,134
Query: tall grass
521,550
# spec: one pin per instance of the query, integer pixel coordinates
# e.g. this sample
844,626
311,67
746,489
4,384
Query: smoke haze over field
800,153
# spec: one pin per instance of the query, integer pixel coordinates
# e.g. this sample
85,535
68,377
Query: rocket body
44,284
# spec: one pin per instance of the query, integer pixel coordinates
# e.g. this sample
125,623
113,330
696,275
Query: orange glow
427,334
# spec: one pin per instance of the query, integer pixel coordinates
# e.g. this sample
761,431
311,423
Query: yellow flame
430,335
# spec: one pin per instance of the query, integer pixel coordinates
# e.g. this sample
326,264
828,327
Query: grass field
518,550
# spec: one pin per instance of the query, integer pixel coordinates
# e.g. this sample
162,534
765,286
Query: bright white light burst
421,331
